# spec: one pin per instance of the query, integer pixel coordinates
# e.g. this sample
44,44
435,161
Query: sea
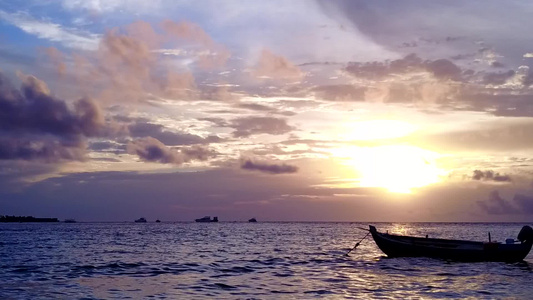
232,260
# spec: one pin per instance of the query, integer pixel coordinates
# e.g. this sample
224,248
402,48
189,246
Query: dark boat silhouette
408,246
252,220
207,219
157,221
140,220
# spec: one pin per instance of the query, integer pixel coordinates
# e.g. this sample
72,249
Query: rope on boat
365,229
358,243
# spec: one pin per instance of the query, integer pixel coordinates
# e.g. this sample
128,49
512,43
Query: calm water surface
244,261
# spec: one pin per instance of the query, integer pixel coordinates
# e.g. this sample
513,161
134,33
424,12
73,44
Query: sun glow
397,168
378,129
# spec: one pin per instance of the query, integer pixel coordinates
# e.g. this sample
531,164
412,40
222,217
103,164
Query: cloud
497,136
152,150
496,205
51,31
146,129
268,168
248,126
214,58
441,68
276,67
444,69
434,25
103,146
264,108
498,78
128,66
36,111
36,125
340,92
46,150
490,176
110,6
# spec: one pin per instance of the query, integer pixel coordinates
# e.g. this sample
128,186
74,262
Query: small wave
319,292
238,269
224,286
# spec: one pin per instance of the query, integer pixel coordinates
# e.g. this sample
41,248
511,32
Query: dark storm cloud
268,168
496,205
146,129
248,126
152,150
36,125
490,176
34,110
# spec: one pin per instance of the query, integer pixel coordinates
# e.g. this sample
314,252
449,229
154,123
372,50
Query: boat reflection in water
207,219
400,245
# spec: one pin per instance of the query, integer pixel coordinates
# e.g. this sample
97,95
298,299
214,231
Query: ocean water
244,261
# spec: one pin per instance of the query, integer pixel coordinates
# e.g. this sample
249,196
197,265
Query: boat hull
406,246
207,219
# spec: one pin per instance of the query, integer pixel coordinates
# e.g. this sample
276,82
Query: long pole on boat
357,244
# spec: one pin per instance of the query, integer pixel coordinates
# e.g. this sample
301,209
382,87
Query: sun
397,168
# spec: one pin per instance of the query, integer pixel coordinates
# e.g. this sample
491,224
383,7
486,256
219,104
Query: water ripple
285,260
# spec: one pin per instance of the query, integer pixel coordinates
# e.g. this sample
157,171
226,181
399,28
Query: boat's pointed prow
525,235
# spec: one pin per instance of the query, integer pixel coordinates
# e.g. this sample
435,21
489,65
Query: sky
362,111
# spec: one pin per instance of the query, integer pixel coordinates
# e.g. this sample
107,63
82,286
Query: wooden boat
408,246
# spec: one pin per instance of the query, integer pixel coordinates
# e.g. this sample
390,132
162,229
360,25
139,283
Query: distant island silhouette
26,219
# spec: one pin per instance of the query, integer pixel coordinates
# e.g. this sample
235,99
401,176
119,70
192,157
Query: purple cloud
496,205
268,168
248,126
36,125
146,129
490,176
152,150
